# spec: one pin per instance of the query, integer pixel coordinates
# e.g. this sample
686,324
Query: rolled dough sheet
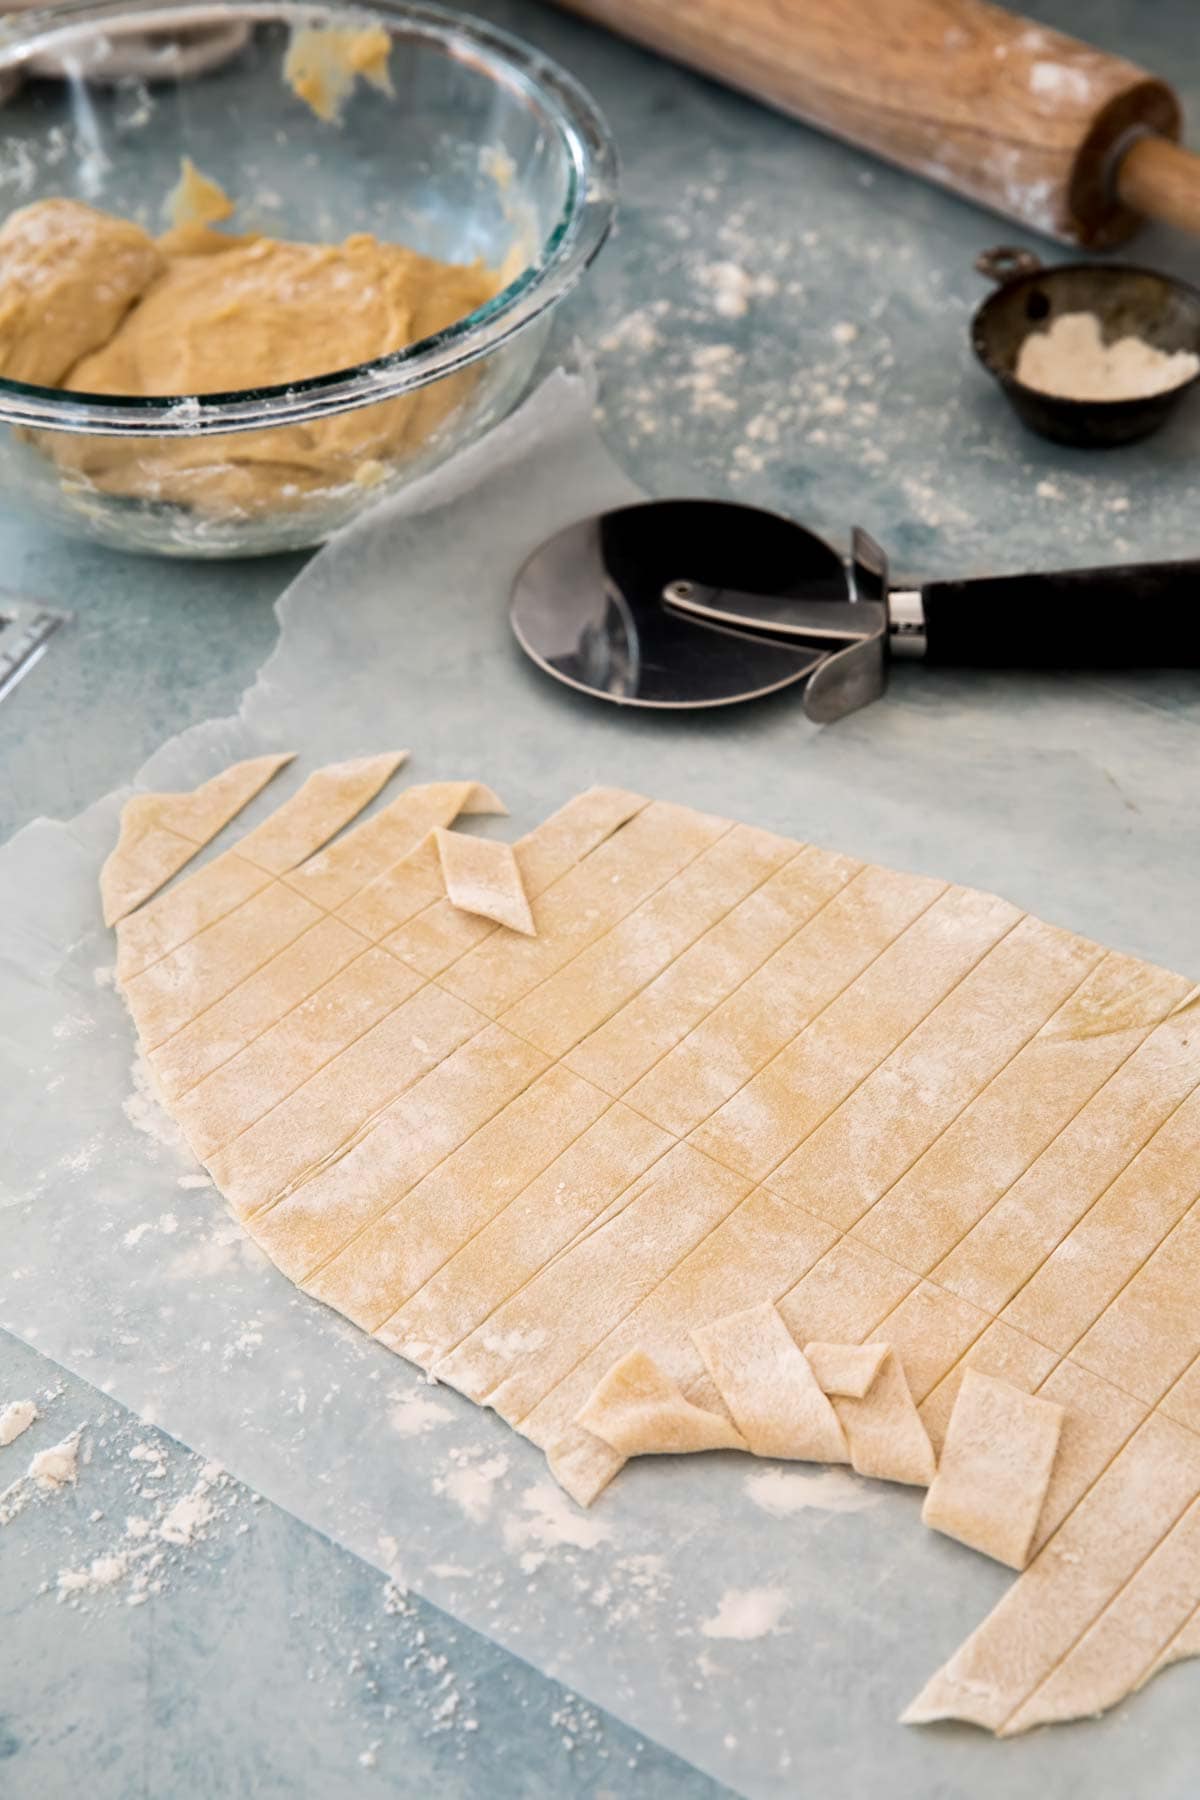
994,1469
731,1075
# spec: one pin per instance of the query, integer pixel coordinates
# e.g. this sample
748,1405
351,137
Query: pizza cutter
693,603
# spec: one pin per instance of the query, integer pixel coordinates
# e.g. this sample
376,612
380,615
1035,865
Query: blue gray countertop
778,319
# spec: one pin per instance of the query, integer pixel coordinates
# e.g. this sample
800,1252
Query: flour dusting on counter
16,1417
782,1493
413,1414
57,1466
746,1613
470,1482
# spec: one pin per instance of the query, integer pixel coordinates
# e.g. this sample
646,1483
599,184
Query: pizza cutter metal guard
693,603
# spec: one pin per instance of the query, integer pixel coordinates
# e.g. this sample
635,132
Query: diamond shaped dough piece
482,876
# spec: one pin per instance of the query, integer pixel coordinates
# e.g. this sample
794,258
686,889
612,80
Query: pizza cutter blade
695,603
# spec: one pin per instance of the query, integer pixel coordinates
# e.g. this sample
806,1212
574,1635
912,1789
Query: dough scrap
324,63
995,1468
640,1411
196,199
733,1078
846,1369
161,832
884,1429
761,1374
482,876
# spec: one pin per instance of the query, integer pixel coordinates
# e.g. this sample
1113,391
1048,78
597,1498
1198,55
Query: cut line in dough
732,1077
161,832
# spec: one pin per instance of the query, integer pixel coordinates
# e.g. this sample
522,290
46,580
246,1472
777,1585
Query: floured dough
884,1429
847,1369
739,1095
762,1376
994,1469
482,876
162,832
639,1411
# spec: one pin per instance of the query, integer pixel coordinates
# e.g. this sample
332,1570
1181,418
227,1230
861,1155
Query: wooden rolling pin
1047,130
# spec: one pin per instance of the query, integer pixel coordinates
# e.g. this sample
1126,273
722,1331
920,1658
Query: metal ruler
26,628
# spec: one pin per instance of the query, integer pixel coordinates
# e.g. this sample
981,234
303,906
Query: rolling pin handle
1158,178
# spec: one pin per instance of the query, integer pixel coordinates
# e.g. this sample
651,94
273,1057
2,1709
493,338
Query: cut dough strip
161,832
333,876
995,1468
482,876
640,1411
884,1429
1071,1582
846,1369
761,1374
329,799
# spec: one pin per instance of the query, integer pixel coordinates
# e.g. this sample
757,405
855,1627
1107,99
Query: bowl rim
568,249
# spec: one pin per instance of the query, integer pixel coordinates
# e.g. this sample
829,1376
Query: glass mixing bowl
483,150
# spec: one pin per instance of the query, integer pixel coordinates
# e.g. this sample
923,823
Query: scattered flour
782,1493
17,1417
746,1613
13,1500
552,1521
1060,81
636,331
413,1414
188,1517
101,1572
731,288
152,1546
57,1467
470,1486
147,1114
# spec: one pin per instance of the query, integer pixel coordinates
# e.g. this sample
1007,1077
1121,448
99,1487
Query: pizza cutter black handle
1143,616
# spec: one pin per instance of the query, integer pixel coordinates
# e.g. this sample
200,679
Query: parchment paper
117,1258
